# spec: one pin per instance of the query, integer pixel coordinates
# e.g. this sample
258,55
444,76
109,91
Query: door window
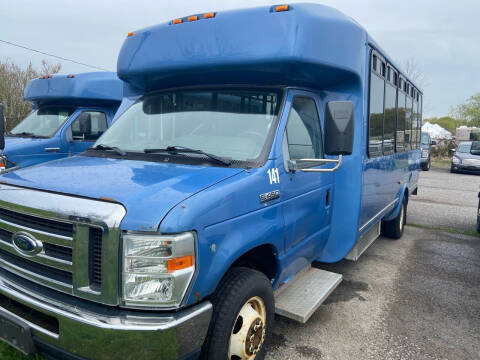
304,136
89,126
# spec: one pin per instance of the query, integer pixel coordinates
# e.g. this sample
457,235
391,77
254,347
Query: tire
452,170
394,228
426,167
242,290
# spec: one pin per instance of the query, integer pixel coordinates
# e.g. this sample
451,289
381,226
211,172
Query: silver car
466,158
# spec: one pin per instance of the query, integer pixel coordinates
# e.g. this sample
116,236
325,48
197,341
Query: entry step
300,297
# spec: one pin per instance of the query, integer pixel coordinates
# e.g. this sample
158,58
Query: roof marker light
71,76
177,21
282,8
209,15
131,33
192,18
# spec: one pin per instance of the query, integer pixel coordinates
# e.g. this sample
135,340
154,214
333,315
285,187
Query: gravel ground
414,298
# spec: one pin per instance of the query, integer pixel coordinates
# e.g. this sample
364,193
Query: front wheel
426,166
394,228
243,313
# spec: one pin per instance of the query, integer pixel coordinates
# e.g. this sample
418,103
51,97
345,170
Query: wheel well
262,259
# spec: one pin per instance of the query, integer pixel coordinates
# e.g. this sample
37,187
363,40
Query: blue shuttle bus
70,112
254,143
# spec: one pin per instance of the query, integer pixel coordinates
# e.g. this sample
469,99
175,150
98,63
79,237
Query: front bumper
78,329
466,168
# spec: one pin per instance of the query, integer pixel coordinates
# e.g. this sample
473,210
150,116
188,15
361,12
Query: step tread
301,296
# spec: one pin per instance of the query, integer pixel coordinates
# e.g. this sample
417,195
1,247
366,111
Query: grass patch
443,163
449,230
9,353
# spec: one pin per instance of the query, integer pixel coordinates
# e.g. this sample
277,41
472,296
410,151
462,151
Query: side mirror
339,128
2,129
433,143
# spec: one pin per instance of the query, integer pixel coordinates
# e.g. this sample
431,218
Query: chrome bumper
92,331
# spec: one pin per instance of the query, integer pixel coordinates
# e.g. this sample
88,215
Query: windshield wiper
27,134
108,148
187,150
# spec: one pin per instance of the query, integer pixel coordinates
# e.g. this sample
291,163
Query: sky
443,36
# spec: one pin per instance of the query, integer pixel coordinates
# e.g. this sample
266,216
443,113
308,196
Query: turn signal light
282,8
179,263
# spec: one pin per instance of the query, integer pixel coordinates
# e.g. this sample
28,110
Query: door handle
52,150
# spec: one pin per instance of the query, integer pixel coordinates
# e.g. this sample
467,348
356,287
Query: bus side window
375,119
401,119
390,116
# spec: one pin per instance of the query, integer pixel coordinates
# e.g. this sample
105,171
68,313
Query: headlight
456,160
424,153
157,269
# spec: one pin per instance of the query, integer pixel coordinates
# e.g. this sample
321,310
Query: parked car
426,146
466,158
70,112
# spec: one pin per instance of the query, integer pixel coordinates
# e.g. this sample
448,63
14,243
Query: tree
13,80
469,112
415,73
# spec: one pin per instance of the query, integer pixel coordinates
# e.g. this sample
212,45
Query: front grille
37,223
38,269
6,236
38,318
95,258
58,252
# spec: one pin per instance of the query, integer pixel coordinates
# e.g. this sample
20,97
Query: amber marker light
192,18
131,33
70,76
282,8
179,263
209,15
177,21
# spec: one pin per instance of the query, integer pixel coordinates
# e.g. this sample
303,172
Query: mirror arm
338,163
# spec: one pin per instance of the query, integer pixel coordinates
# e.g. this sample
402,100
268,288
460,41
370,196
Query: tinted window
401,121
390,118
475,149
415,134
89,126
375,121
303,130
408,124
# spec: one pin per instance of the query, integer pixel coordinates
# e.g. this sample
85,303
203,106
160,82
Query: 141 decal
273,175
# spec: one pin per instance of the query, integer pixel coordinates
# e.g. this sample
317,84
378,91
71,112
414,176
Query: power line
54,56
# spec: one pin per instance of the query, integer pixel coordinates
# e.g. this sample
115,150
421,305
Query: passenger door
85,130
308,195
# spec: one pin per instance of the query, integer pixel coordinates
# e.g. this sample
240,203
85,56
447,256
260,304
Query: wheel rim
249,329
402,216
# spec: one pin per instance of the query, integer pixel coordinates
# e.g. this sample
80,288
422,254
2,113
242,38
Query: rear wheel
243,317
394,228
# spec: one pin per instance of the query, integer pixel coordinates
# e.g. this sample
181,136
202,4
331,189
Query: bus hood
147,190
25,145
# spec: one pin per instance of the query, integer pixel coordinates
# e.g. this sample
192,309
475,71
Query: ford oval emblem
26,244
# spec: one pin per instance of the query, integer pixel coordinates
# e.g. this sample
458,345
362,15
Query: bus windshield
232,124
42,123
